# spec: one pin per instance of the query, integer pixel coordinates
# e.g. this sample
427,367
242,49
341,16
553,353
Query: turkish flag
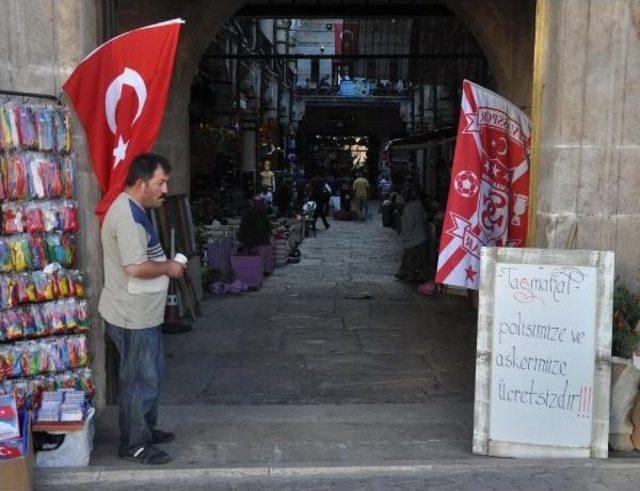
8,451
119,93
7,412
489,193
337,37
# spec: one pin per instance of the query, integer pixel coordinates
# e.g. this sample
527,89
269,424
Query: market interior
287,103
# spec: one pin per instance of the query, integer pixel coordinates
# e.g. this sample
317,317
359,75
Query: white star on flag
120,152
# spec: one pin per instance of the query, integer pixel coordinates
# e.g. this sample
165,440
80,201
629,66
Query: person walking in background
319,194
385,171
132,304
384,190
345,195
413,234
361,196
300,184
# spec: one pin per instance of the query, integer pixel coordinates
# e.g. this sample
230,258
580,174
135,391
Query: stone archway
504,30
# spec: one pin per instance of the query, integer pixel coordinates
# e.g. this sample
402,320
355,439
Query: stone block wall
589,171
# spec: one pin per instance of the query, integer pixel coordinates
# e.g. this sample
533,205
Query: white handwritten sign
541,341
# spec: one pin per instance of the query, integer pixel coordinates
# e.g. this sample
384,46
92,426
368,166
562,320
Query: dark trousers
321,212
140,370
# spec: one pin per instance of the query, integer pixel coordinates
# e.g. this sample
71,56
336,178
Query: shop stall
44,316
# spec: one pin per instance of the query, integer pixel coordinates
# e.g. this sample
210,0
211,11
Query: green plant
626,314
255,229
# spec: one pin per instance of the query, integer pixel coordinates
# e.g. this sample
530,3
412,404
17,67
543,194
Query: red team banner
489,194
119,93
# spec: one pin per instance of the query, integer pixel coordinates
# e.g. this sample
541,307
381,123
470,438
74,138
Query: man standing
132,304
361,193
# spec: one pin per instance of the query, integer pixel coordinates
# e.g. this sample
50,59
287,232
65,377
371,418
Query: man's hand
175,269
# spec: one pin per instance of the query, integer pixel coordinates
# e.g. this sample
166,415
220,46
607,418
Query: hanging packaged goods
44,316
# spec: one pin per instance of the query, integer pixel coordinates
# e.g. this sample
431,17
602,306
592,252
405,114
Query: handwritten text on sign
543,354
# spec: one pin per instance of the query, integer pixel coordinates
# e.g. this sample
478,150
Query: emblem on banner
462,229
466,183
493,207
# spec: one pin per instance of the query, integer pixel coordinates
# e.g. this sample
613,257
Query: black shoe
145,454
159,437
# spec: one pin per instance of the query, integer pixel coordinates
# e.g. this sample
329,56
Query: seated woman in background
415,264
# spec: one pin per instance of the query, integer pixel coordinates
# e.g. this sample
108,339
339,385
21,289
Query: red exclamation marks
580,402
584,402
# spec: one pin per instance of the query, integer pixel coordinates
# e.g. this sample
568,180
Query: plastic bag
75,450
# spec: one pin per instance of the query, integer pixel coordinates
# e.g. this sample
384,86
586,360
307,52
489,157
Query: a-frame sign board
544,353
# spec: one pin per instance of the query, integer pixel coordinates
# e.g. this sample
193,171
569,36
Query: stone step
263,445
224,440
454,473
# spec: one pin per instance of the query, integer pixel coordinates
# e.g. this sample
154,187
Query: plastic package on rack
28,391
5,257
12,218
26,127
43,312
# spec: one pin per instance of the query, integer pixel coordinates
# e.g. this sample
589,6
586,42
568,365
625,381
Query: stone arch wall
504,29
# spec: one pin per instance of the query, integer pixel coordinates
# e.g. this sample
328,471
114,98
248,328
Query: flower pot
248,269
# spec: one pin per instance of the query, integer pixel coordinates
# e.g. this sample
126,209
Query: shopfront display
44,315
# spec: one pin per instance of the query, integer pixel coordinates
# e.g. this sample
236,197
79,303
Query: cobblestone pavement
335,328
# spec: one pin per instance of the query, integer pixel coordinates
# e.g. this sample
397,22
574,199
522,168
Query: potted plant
254,232
626,316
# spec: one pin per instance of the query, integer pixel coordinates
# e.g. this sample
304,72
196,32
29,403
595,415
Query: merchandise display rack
44,316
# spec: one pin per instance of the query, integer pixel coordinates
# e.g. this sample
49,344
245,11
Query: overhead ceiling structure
342,8
410,40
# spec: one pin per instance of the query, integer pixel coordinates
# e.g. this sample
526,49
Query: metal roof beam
374,56
340,10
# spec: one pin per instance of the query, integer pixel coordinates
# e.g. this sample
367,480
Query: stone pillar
587,81
173,143
248,139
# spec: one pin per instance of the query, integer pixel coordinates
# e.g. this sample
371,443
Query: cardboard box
17,474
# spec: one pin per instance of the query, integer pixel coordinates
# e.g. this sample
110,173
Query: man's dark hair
144,165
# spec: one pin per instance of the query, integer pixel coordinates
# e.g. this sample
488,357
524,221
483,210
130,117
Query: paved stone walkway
335,328
332,376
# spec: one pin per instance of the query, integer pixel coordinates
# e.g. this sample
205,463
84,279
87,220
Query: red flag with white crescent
119,93
337,36
489,193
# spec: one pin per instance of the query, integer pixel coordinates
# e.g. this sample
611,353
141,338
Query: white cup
181,258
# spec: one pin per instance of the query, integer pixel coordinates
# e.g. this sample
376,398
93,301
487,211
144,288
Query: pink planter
248,269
